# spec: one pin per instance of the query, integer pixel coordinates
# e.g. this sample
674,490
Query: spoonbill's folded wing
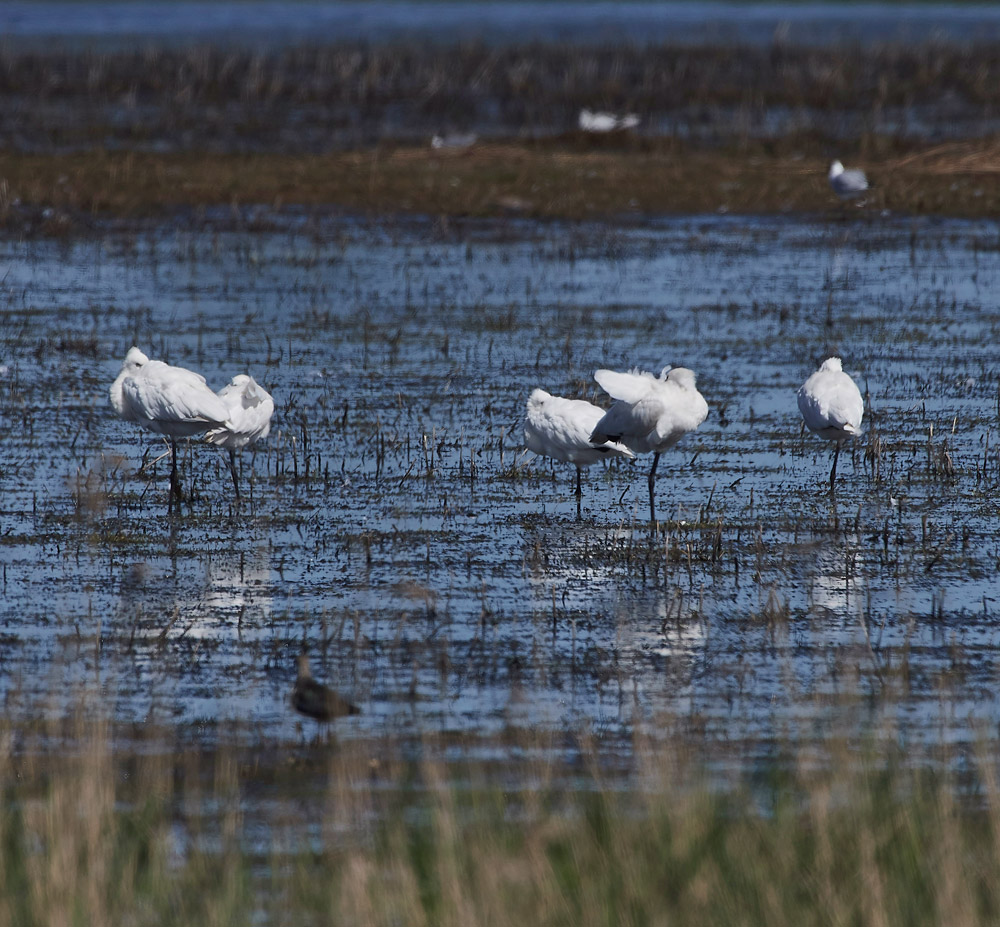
628,387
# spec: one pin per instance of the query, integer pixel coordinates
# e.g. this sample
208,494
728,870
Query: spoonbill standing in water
171,401
249,407
560,428
651,413
831,405
847,184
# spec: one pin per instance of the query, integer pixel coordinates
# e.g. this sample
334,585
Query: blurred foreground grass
91,834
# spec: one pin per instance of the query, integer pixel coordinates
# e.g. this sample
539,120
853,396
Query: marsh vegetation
775,705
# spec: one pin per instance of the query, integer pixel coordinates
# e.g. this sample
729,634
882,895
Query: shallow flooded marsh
436,572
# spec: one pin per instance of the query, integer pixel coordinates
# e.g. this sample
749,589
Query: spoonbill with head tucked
651,414
171,401
561,428
847,184
249,407
831,405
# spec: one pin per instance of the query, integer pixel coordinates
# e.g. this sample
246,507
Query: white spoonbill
600,123
831,405
847,184
561,428
249,407
171,401
651,413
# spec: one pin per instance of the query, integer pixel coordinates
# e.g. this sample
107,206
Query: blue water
274,24
399,356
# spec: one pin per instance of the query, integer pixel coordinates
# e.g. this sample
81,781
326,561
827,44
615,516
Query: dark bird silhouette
316,700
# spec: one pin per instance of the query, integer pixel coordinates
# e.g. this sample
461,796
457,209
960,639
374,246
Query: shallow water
437,575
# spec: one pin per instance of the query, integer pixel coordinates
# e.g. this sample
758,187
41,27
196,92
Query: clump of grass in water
830,839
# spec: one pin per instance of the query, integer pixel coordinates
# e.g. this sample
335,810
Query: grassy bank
552,180
331,835
356,94
737,129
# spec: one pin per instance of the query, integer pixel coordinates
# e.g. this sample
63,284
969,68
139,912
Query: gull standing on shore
831,405
171,401
561,428
651,413
847,184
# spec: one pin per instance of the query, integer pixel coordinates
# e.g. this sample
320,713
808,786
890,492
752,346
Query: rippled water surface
439,575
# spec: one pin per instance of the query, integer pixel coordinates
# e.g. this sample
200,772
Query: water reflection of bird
561,428
249,407
651,413
238,590
831,405
312,698
171,401
847,184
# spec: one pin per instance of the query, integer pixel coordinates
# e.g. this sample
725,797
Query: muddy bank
62,194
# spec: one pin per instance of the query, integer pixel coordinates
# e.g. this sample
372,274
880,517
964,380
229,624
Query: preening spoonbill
831,405
171,401
651,414
561,428
249,408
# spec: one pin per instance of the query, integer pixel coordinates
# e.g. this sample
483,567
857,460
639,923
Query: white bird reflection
239,586
837,584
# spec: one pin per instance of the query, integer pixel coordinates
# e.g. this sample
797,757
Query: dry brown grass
375,834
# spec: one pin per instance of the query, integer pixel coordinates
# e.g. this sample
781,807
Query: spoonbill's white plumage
651,414
597,122
171,401
561,428
831,405
847,184
249,408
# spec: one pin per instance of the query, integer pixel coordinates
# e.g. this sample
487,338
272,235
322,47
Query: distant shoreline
349,126
55,194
